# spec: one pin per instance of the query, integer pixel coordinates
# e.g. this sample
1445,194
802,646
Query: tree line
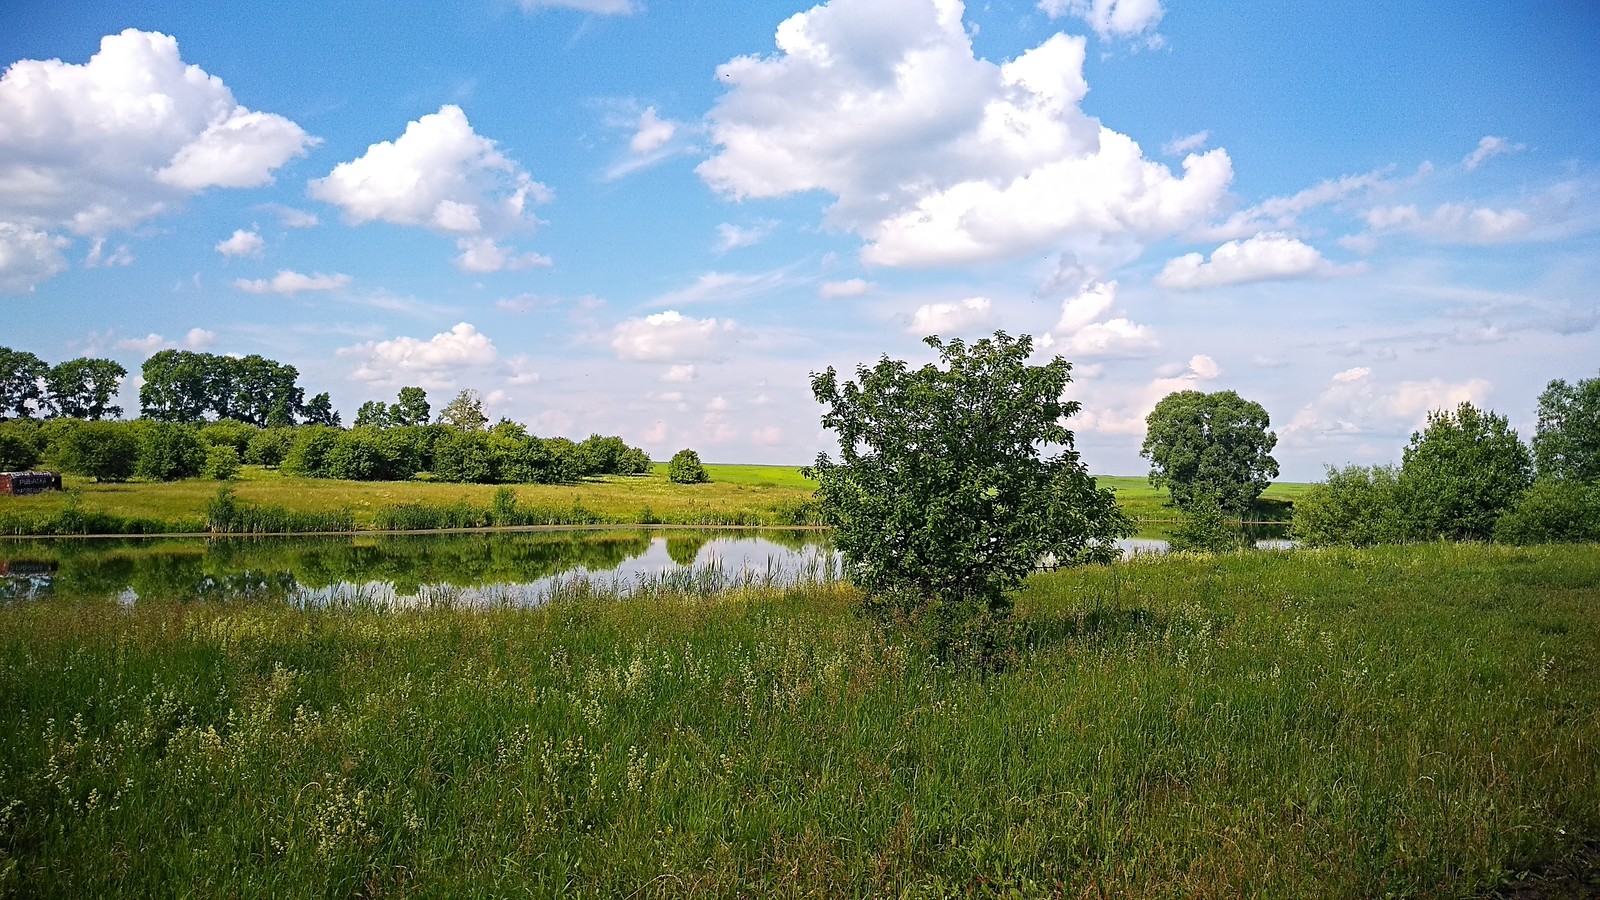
205,414
1467,475
178,386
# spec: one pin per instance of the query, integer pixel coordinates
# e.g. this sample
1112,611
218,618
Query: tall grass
1407,721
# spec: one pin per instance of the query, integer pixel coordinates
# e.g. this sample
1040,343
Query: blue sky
655,219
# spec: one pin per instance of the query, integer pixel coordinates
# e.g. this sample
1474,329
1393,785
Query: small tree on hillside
1461,472
685,468
1216,444
954,481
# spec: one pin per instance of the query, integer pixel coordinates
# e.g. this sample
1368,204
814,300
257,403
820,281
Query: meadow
736,495
1404,721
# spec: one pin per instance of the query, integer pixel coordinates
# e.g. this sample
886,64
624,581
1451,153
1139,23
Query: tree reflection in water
385,568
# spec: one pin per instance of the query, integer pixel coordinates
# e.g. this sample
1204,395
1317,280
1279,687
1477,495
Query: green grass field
1408,721
737,494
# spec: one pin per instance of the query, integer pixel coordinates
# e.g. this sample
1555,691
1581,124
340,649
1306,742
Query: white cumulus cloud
1265,257
671,336
101,146
441,175
28,256
680,373
432,361
1084,329
973,313
938,157
290,282
241,243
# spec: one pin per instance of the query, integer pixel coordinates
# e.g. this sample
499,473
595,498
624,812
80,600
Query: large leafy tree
955,480
411,407
1215,445
21,382
1461,472
176,386
1566,442
83,388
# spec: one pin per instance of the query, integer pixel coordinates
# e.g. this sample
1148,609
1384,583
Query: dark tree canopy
1461,472
411,407
955,480
21,383
1210,444
83,388
184,386
1566,444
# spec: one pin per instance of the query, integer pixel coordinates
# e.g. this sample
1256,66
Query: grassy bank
737,495
1404,721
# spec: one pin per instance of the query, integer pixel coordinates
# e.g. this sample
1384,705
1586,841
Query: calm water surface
521,568
483,568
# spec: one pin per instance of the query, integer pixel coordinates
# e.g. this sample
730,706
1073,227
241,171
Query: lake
471,569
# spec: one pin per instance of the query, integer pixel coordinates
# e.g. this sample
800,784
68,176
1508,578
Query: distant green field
757,476
737,494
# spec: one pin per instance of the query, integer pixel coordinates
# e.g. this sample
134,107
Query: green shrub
1461,472
1553,512
464,456
1355,506
168,452
20,446
1206,528
685,468
308,454
269,446
231,432
222,462
104,451
362,454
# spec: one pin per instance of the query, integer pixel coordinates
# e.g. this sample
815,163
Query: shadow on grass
1097,625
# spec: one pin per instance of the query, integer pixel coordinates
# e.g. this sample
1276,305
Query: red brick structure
12,483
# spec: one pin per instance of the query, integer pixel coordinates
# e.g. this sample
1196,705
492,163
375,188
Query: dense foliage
954,481
1461,472
1356,506
81,388
1566,442
1210,444
686,468
185,386
1553,511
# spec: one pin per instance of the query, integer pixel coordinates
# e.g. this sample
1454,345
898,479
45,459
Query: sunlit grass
737,494
1413,721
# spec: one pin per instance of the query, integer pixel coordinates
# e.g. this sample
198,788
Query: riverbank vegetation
1399,721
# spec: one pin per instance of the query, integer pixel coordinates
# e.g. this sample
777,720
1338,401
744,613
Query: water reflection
519,568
